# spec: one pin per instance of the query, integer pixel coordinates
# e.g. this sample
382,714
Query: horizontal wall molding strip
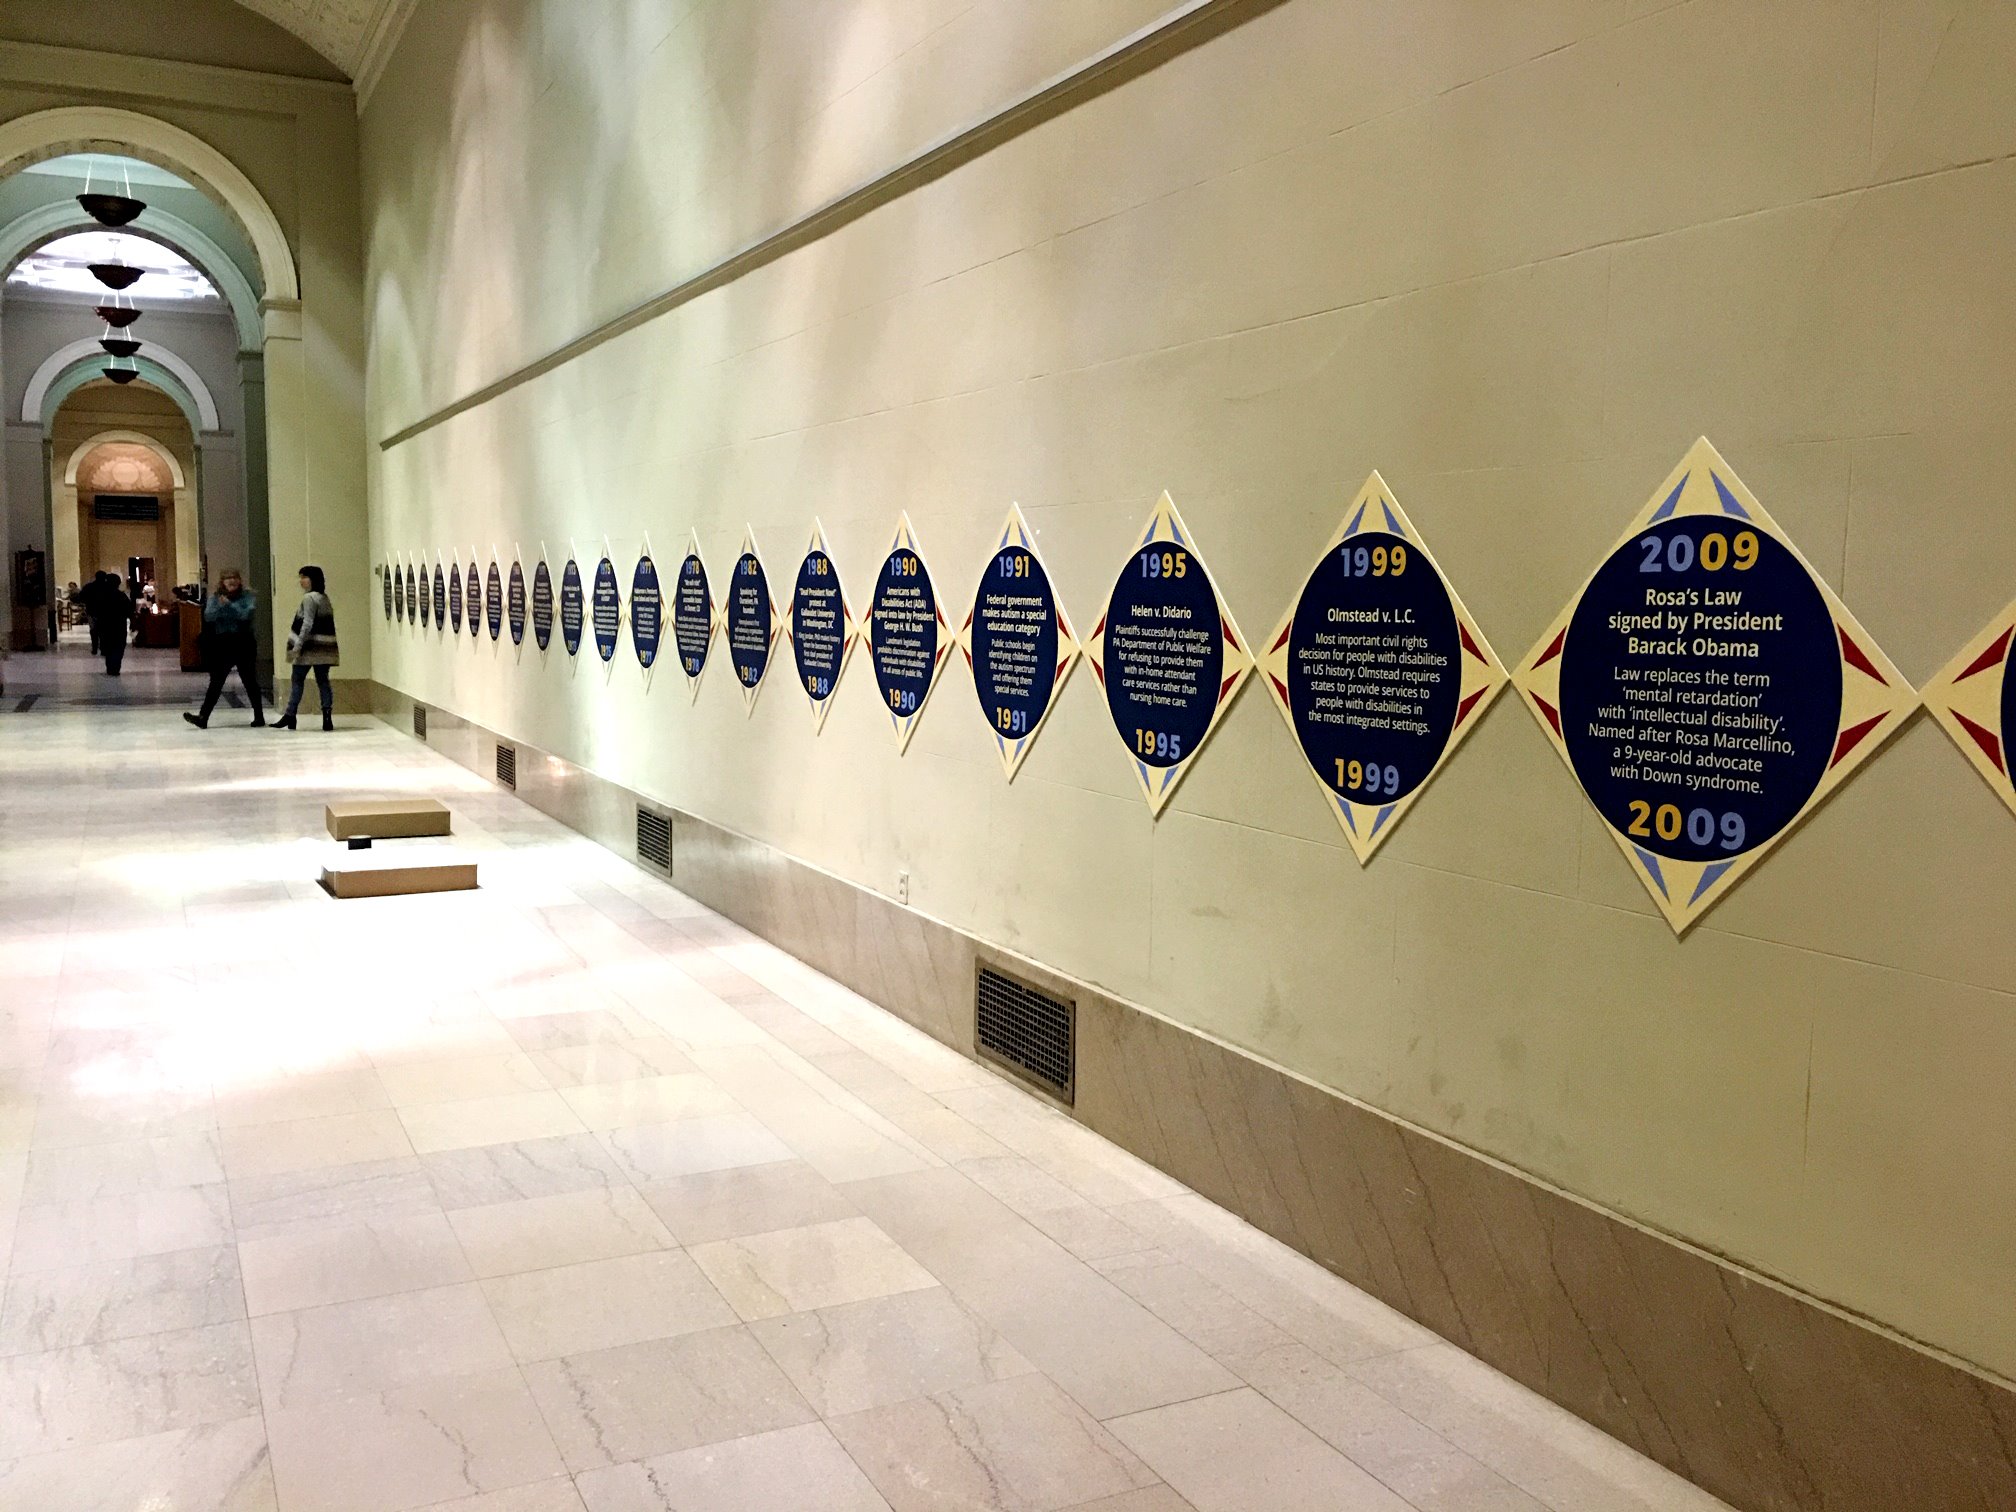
1187,26
1771,1399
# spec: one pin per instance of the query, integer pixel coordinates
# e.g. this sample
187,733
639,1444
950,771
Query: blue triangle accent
1175,534
1384,814
1392,524
1356,520
1007,535
1349,817
1144,774
1729,504
1672,499
1709,878
1651,863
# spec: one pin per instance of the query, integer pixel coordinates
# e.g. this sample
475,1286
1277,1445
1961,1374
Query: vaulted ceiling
346,32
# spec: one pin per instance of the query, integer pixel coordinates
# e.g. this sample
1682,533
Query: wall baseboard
1771,1399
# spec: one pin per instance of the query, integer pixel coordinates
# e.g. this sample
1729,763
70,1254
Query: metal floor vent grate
1026,1031
507,766
654,840
419,721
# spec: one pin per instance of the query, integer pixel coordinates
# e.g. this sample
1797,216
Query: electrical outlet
903,887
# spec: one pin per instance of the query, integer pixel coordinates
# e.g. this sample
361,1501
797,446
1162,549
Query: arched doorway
247,257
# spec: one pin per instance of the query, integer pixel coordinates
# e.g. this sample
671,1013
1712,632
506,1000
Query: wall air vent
1027,1032
507,766
654,841
419,721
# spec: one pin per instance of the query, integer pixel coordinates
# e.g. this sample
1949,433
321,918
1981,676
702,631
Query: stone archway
276,422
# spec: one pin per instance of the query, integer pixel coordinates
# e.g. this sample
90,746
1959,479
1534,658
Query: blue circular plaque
1014,642
749,620
647,612
398,594
514,601
818,625
572,604
385,584
904,646
1375,668
474,579
608,609
440,597
542,604
1165,654
412,597
1701,688
455,598
692,615
493,600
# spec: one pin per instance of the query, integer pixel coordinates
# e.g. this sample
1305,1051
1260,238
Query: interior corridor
569,1194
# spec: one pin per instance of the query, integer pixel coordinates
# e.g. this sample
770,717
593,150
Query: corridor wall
1515,257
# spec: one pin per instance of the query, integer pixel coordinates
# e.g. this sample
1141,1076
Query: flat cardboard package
387,819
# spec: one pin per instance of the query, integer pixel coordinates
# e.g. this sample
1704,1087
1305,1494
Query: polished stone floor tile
537,1232
1019,1445
350,1262
1238,1452
486,1174
600,1304
506,1118
887,1349
215,1467
120,1299
437,1440
349,1348
639,1400
792,1270
125,1388
571,1163
803,1469
749,1200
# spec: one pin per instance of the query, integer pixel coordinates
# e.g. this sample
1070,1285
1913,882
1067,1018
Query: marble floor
568,1195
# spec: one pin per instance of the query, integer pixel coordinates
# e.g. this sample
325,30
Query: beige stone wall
1515,256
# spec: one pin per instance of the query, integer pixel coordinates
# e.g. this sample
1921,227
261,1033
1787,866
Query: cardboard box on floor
387,819
368,874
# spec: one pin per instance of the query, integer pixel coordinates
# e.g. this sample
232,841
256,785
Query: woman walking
312,644
230,643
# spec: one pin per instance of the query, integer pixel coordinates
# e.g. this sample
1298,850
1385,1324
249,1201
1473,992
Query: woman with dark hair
312,643
230,642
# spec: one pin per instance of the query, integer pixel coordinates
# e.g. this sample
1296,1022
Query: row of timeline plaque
1704,686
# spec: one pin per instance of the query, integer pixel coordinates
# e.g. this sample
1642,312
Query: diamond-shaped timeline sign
1707,689
820,625
751,621
1018,641
1167,653
1378,668
1974,700
693,616
908,638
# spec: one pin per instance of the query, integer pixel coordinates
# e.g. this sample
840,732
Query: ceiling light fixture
117,316
110,209
119,346
116,275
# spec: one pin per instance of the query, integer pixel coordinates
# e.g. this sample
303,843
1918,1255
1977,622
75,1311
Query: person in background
312,643
87,606
230,643
111,617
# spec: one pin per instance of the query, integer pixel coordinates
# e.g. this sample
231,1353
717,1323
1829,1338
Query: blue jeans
301,682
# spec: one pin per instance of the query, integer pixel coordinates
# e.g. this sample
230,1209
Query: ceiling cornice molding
387,27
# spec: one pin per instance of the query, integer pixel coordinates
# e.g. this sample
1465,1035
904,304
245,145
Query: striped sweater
312,642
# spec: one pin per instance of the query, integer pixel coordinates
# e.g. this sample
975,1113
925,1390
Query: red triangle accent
1858,660
969,656
1231,635
1098,671
1100,628
1553,714
969,621
1550,653
1463,709
1282,640
1988,658
1853,736
1983,738
1470,645
1283,687
1062,663
1225,688
1062,628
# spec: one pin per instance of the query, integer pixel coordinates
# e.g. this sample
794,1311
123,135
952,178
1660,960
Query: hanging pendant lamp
119,346
117,316
121,375
110,209
116,275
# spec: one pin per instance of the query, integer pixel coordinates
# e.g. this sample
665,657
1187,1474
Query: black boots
328,721
200,721
285,722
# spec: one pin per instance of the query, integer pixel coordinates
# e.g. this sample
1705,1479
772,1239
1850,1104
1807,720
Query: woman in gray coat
312,643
